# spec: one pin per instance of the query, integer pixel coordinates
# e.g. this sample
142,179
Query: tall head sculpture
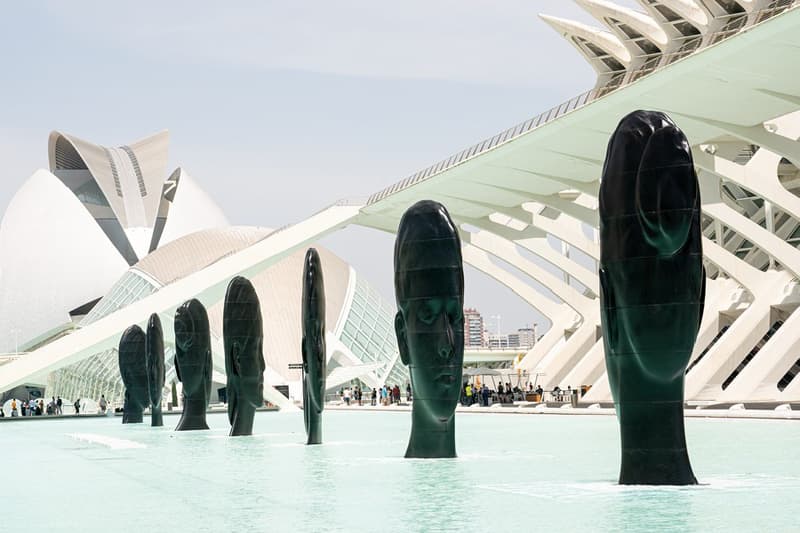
154,355
429,288
313,346
133,368
652,289
244,357
193,363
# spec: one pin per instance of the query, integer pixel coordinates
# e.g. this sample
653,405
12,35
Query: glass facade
99,374
369,333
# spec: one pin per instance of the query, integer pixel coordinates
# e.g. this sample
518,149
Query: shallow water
529,472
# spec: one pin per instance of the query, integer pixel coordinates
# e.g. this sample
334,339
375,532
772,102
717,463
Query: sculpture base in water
132,418
194,416
156,417
654,444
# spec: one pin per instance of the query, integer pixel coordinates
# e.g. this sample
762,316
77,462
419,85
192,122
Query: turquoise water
514,473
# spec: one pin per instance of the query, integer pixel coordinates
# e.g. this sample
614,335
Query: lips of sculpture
434,335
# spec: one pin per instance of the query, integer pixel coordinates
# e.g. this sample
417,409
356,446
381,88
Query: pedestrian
23,407
58,404
374,396
103,403
408,392
39,408
347,396
77,406
14,408
485,395
468,394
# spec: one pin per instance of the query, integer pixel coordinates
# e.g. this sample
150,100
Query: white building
106,227
724,71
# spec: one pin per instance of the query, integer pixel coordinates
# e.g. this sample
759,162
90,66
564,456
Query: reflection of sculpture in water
154,355
244,358
133,368
313,346
429,288
652,285
193,363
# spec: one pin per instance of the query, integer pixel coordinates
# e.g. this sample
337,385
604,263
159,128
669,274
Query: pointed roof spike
687,9
602,39
641,22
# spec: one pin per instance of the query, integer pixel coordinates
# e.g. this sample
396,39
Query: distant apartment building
474,332
526,337
498,341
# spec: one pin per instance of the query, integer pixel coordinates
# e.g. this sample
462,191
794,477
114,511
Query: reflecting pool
513,473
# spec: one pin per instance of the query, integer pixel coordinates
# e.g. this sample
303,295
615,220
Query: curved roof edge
602,39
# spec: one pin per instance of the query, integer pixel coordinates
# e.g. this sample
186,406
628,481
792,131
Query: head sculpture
193,363
429,288
133,368
154,355
244,356
313,346
652,289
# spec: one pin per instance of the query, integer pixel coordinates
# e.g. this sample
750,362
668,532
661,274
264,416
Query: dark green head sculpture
429,288
193,363
133,368
652,289
244,355
154,354
313,346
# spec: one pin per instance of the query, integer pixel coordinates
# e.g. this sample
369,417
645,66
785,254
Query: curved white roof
197,250
53,258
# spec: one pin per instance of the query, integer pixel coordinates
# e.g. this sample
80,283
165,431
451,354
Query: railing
691,46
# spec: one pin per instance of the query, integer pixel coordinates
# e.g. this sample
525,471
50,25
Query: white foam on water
111,442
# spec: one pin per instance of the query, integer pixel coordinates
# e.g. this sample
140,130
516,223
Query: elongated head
429,289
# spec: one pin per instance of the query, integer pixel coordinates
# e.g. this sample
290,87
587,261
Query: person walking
14,408
59,403
468,394
485,395
77,406
103,403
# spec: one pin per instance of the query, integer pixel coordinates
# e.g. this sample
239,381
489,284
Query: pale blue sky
279,108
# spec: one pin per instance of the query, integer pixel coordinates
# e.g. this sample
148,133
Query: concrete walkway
525,408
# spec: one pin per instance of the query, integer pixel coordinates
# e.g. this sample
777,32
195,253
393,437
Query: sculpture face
429,287
155,367
313,345
652,291
434,344
133,368
244,358
193,363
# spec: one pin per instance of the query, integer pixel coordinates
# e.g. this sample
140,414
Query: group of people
37,407
386,395
505,393
34,407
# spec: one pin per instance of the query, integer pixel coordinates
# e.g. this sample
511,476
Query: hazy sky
279,108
